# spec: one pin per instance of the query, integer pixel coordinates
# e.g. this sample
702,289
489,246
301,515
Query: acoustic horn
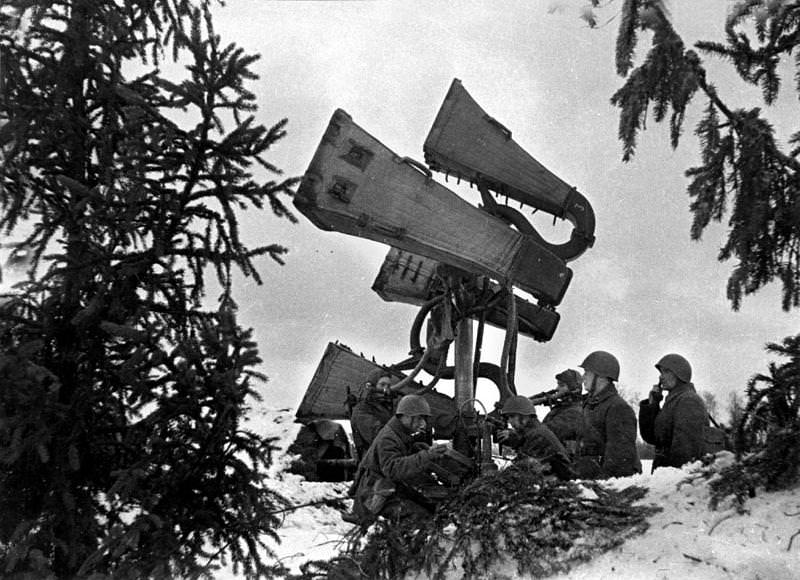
468,143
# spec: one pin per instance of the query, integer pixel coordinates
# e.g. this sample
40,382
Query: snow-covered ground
685,541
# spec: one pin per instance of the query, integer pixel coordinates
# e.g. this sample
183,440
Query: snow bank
685,540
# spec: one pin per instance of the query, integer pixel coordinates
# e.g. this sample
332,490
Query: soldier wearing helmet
608,448
565,418
394,466
531,440
676,429
373,411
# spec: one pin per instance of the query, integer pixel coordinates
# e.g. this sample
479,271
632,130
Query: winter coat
609,438
389,473
677,428
538,442
366,420
565,420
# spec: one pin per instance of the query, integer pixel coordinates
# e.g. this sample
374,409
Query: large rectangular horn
356,185
341,371
468,143
413,279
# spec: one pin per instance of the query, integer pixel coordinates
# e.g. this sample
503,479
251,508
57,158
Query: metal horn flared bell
468,143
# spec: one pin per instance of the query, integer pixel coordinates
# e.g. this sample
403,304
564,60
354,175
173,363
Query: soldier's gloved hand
434,452
655,394
438,450
507,437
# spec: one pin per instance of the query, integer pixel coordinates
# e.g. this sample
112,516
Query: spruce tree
773,399
744,172
123,452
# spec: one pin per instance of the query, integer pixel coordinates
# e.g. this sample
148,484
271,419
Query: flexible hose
410,377
511,331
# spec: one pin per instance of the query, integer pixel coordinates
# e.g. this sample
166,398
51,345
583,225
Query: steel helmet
603,364
571,378
413,406
679,366
519,405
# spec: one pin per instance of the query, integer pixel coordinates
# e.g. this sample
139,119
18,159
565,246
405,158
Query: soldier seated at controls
395,469
531,440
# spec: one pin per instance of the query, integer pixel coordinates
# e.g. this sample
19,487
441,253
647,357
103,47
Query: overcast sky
643,290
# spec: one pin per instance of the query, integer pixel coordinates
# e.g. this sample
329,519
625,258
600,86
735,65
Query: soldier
677,428
373,411
565,418
322,444
609,439
394,469
532,440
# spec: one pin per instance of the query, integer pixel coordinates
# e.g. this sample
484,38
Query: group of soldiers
585,435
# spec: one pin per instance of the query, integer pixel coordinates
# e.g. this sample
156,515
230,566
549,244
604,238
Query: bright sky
643,290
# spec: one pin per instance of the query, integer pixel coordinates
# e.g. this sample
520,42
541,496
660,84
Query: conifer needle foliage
543,526
767,435
745,173
123,452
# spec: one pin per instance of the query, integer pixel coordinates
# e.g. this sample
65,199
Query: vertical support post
465,387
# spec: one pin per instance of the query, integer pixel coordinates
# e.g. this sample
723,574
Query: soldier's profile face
415,424
667,379
383,384
516,421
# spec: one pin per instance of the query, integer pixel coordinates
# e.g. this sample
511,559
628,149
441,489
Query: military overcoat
676,429
540,443
565,420
391,468
610,434
367,419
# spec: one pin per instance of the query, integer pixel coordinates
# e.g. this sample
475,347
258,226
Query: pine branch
545,526
626,37
116,180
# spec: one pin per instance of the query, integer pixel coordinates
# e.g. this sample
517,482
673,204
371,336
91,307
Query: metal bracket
342,189
358,156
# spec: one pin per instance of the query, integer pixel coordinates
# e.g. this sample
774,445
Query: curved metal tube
509,346
410,378
576,209
433,364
